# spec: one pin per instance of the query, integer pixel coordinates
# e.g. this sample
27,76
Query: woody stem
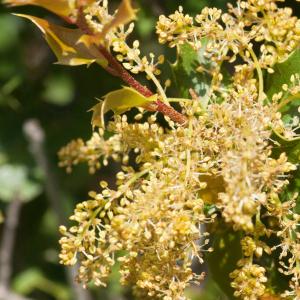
116,69
131,81
124,74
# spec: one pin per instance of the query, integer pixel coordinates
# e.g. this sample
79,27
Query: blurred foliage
15,183
32,87
26,282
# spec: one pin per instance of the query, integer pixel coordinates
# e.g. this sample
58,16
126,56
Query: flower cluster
231,35
97,18
224,158
221,157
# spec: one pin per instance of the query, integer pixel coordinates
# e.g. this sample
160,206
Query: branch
116,69
8,241
36,138
131,81
124,74
7,249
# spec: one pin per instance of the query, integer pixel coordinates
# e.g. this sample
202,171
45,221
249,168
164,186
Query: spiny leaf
186,76
123,16
289,103
290,147
65,44
282,73
119,101
59,7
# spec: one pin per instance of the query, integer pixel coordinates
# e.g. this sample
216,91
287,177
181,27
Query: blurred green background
42,107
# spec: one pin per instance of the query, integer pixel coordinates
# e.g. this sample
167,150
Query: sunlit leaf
124,15
65,44
119,101
59,7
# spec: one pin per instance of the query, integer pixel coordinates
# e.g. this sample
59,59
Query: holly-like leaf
66,45
124,15
186,75
274,82
60,7
282,73
119,101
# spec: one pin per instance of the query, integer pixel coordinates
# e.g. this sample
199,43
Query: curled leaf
65,44
119,101
60,7
125,14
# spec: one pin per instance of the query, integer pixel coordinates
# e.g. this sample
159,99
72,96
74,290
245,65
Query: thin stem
259,73
158,86
287,101
188,153
118,195
286,139
179,100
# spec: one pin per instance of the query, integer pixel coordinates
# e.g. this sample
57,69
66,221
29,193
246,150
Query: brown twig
131,81
7,249
116,69
8,240
124,74
36,137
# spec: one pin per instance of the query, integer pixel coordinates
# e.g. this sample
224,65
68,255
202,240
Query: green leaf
291,148
186,76
294,153
274,82
282,73
223,260
66,45
119,101
15,183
